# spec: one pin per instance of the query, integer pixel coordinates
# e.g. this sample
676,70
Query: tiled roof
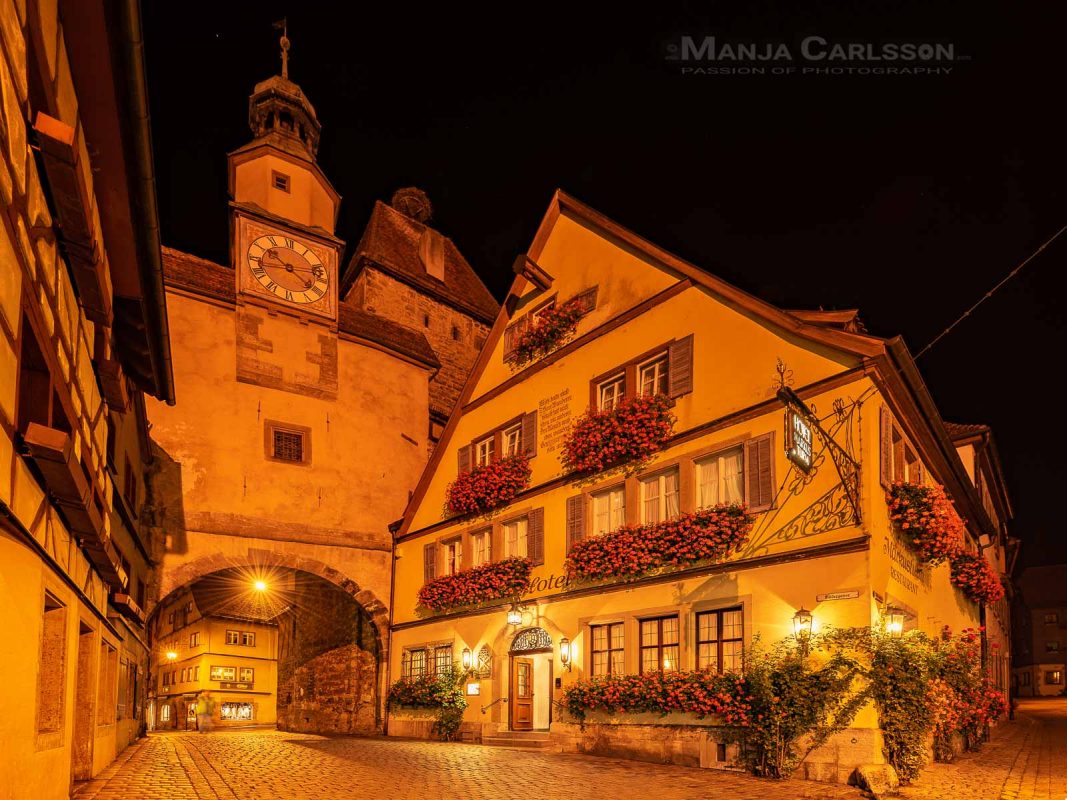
847,319
958,431
208,279
391,242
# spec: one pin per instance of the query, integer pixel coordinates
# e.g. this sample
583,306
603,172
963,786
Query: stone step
516,739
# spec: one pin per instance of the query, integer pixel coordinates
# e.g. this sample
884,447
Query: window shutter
759,473
529,433
575,520
885,438
464,459
429,561
680,367
535,536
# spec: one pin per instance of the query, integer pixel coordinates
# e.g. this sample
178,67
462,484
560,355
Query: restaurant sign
798,439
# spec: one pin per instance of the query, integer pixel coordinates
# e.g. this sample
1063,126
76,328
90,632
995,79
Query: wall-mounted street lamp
802,629
894,621
565,653
260,585
514,615
467,659
171,655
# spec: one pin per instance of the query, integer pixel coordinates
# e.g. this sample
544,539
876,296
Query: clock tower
283,209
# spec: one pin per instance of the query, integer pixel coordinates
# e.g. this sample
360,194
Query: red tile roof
205,278
391,243
957,431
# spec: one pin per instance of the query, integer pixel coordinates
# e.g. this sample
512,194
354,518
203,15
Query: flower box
634,430
926,517
488,487
710,534
974,576
495,581
550,329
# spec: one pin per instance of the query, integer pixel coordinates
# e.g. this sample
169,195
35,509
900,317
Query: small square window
248,639
652,376
611,392
279,180
233,637
288,443
1052,618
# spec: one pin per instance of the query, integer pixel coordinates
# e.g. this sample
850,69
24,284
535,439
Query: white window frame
483,451
511,440
718,457
657,368
453,552
610,505
516,535
481,547
659,481
248,639
610,392
233,638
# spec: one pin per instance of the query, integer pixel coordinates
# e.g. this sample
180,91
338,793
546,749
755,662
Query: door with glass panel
522,694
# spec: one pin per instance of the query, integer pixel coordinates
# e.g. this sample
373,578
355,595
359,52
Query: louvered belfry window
288,445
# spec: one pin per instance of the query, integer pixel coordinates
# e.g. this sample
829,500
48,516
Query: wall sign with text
798,440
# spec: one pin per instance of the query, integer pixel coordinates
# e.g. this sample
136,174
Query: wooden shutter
464,456
575,520
429,561
535,536
680,367
529,433
759,472
885,443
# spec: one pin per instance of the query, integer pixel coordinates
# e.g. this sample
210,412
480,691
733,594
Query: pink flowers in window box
550,329
710,534
928,519
974,576
495,581
633,431
488,487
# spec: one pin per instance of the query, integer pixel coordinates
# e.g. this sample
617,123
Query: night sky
908,197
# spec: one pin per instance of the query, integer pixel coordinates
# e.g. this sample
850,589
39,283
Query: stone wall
328,662
456,337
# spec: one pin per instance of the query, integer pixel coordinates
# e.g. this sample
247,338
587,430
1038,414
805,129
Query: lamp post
565,653
894,621
802,629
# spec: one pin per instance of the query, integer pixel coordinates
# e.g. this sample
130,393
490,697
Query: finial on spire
283,26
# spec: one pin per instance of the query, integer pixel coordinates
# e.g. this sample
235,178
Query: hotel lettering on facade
821,538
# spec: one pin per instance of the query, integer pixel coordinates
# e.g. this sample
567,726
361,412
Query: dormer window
279,180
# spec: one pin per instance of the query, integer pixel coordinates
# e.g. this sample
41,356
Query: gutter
143,195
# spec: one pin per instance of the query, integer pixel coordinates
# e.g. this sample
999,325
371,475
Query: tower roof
280,113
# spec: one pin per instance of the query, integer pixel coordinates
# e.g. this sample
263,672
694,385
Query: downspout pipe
143,190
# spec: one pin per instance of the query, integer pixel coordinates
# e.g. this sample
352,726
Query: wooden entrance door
522,693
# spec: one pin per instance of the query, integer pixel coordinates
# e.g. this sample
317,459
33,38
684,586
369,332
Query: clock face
288,269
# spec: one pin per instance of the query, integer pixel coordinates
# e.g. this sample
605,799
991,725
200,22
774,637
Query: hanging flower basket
973,575
701,693
710,534
495,581
926,517
551,329
488,487
631,432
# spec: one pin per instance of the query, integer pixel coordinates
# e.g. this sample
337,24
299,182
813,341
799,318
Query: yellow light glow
260,586
171,655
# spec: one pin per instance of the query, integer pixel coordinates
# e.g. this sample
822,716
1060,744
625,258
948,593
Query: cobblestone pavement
275,765
1024,760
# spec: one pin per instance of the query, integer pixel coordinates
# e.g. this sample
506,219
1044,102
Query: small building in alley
802,418
1040,664
83,340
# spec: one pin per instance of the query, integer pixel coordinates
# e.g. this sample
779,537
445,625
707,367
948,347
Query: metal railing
485,709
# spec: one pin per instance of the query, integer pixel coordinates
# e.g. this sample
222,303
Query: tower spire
283,26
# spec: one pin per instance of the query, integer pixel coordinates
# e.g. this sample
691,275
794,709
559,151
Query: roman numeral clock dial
288,269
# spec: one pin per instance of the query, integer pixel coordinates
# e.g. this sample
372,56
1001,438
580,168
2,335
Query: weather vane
283,26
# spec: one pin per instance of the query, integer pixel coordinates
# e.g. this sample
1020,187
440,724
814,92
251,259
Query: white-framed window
481,547
515,542
609,509
659,496
247,674
1052,618
511,440
194,639
652,375
483,452
164,712
453,556
233,637
611,392
721,478
248,639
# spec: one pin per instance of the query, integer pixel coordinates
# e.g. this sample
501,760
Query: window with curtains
611,392
659,497
413,663
515,538
512,440
606,647
652,375
442,660
659,644
481,547
453,556
720,639
720,478
609,509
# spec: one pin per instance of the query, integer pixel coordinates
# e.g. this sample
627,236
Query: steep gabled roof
391,243
208,279
887,361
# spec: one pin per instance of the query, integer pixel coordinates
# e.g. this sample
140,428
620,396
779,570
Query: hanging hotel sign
798,439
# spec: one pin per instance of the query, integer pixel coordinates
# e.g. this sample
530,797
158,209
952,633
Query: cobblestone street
1026,760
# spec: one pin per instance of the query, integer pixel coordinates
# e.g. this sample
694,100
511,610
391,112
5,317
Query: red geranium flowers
500,579
488,487
550,329
634,430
